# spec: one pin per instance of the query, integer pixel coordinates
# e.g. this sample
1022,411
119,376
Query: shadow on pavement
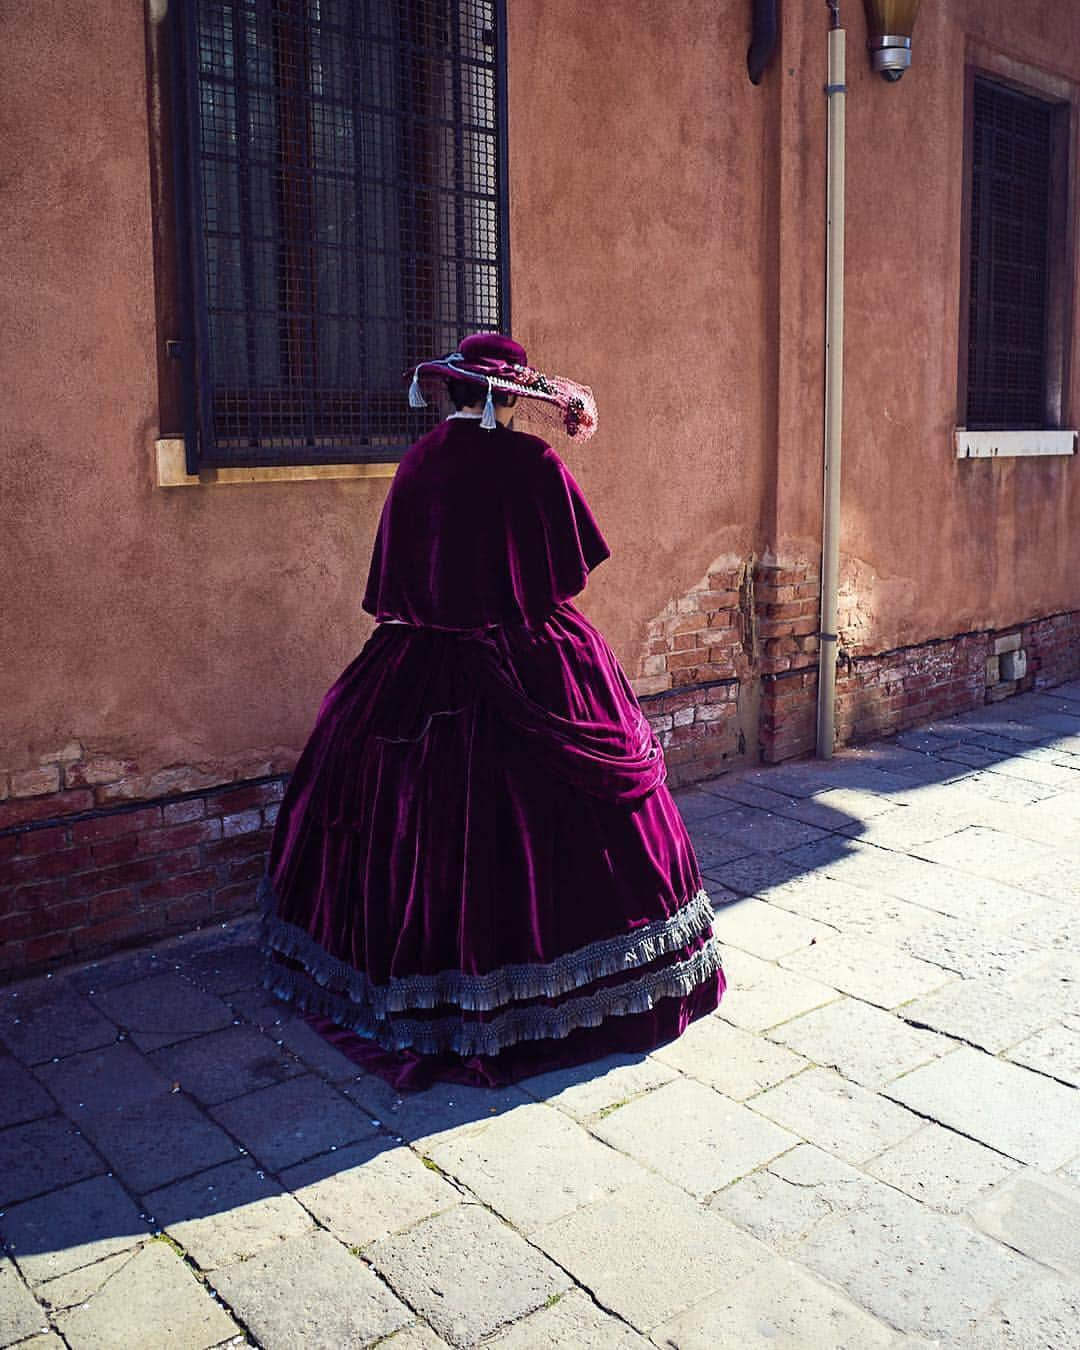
164,1091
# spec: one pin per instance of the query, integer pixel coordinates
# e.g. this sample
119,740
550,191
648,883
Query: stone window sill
172,470
1004,444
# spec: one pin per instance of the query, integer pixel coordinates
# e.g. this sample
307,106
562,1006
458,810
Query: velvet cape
478,871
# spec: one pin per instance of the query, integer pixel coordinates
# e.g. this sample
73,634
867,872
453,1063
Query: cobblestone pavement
875,1143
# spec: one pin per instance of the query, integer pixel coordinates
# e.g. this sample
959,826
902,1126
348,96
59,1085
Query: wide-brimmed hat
497,361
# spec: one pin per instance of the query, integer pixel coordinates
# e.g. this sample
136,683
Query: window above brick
342,209
1015,300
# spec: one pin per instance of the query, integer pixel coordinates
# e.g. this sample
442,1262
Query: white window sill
1001,444
172,470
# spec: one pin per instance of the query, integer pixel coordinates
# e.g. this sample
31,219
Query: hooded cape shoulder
480,529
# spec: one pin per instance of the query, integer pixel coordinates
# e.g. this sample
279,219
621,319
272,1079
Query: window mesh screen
1010,217
347,214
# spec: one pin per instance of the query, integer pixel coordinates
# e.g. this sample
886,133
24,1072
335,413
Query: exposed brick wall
786,602
698,728
701,637
881,694
1053,647
752,631
78,879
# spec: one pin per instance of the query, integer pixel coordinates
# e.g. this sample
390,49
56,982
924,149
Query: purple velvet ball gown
478,873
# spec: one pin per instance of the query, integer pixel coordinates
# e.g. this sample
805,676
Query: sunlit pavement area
874,1143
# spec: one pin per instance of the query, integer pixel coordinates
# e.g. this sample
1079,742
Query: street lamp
890,23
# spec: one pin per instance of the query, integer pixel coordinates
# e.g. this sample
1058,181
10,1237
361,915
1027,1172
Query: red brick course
76,887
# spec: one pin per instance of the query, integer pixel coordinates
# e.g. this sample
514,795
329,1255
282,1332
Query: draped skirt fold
478,871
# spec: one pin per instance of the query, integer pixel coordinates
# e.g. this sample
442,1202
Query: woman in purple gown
478,873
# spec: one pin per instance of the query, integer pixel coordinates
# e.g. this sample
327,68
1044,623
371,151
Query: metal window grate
346,214
1010,225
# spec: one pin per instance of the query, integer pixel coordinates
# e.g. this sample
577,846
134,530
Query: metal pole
834,390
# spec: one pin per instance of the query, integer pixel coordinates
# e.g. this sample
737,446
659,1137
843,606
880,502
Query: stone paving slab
1040,1315
48,1341
292,1121
851,909
317,1052
755,831
943,1169
782,1203
970,950
1054,1052
926,1273
153,1300
227,1214
1020,1113
369,1190
778,1306
21,1097
20,1313
161,1010
988,1015
467,1273
752,874
1055,984
693,1136
225,970
310,1292
50,1020
225,1064
572,1322
415,1337
1038,1215
766,930
1060,880
840,1117
865,1043
533,1165
687,1253
99,1080
988,853
761,995
94,977
725,1057
587,1089
867,969
905,827
150,1143
71,1227
423,1117
40,1155
1054,925
80,1285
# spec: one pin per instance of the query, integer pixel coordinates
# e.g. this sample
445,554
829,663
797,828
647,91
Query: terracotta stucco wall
169,627
667,241
200,627
934,546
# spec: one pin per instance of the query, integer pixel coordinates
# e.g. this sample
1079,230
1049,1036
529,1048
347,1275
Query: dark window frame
185,406
1061,189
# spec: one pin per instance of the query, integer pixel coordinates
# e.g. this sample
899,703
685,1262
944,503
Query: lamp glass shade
893,18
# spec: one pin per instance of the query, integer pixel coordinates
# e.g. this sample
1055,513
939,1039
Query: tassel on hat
489,421
416,394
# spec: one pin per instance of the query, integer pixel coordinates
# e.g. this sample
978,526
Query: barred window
1011,380
343,214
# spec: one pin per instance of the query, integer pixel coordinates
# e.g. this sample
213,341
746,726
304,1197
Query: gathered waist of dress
479,630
